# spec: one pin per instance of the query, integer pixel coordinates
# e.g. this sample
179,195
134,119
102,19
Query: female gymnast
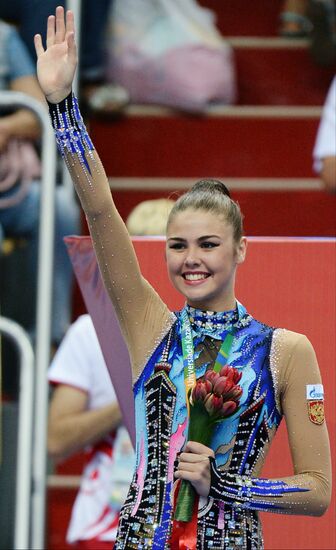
211,383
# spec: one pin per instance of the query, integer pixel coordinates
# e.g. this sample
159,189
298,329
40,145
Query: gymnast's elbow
321,499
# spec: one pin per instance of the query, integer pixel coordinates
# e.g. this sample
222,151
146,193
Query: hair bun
211,185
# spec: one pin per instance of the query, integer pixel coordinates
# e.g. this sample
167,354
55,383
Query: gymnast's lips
195,277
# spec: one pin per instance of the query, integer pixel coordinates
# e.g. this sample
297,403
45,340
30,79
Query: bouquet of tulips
214,397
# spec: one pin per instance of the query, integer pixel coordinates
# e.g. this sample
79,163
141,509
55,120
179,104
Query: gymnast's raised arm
135,301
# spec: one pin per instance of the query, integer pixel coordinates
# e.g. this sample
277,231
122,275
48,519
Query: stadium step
275,71
242,18
229,142
301,210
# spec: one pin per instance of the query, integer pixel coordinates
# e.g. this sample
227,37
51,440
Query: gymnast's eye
177,246
209,244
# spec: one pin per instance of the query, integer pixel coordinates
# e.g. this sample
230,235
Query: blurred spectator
294,20
323,34
19,193
84,413
314,19
170,52
149,217
325,145
31,16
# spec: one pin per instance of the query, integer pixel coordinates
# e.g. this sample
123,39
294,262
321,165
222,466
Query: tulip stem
200,430
185,502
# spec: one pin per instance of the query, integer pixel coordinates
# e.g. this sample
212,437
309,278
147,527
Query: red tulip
219,392
229,407
222,385
231,373
236,376
213,404
224,370
201,389
211,375
234,393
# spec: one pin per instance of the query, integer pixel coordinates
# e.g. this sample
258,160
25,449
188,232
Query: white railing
25,432
43,311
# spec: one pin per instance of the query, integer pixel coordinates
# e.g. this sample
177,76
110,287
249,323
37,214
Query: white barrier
25,431
43,310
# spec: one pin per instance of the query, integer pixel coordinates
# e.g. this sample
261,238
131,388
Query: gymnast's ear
241,249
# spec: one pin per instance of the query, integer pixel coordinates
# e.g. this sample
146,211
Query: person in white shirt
325,146
84,413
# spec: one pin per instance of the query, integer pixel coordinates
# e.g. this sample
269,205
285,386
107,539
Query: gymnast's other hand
194,466
57,63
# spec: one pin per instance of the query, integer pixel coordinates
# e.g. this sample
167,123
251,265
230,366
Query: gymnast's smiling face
202,257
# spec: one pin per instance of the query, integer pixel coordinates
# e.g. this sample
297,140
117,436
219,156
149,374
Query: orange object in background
285,282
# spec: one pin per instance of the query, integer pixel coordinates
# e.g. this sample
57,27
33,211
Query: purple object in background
100,308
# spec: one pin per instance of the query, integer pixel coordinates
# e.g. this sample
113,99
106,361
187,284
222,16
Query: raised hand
56,65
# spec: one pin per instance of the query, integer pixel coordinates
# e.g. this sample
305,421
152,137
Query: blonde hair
150,217
211,195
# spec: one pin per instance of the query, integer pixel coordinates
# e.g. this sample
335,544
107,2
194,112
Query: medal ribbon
224,352
188,357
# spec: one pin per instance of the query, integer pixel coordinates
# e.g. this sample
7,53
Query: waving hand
57,63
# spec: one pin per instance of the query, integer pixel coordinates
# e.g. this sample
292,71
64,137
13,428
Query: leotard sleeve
308,491
142,315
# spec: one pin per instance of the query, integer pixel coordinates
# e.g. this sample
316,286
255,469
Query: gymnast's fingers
38,45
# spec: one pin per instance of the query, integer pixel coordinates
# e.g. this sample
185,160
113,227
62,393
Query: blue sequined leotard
239,441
